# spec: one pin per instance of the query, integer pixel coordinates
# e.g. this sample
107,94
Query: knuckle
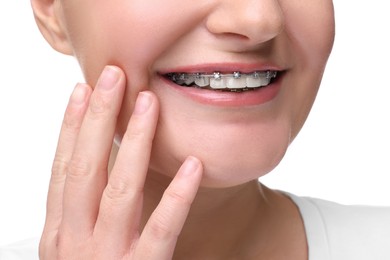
160,230
51,245
59,168
135,132
160,225
60,243
63,245
99,106
121,191
78,167
72,245
177,199
72,119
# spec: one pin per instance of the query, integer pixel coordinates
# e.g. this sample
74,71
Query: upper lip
222,67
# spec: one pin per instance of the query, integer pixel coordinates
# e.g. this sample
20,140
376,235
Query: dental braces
181,78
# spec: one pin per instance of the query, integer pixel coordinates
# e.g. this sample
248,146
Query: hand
93,216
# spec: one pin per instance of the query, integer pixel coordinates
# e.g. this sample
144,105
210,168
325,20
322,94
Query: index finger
159,237
71,124
121,203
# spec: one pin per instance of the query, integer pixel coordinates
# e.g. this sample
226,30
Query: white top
334,232
339,232
23,250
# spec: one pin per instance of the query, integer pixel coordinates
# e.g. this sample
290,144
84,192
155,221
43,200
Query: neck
222,222
248,221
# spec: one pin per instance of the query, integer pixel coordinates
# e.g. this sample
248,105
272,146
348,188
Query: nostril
230,35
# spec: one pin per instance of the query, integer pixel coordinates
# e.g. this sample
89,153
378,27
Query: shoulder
26,249
351,231
358,223
352,214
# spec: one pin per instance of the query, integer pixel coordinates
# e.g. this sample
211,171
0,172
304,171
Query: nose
255,21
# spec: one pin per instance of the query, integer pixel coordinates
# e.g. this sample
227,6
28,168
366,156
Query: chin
223,172
228,160
240,166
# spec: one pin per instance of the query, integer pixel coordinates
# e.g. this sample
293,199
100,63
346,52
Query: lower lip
229,99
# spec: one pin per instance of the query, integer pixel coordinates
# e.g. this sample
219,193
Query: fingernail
79,94
190,166
109,78
142,104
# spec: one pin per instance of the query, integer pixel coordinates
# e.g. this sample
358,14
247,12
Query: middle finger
87,173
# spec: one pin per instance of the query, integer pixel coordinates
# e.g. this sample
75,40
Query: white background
342,154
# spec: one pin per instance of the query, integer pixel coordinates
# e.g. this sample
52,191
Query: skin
146,203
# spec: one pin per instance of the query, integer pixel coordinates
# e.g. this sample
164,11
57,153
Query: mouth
224,81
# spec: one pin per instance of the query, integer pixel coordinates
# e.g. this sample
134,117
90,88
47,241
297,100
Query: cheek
310,27
130,34
310,30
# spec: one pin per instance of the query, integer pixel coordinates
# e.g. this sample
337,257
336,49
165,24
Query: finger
160,234
87,171
70,127
121,204
73,117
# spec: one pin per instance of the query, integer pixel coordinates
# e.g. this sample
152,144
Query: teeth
186,79
218,83
253,82
265,81
217,75
235,81
201,81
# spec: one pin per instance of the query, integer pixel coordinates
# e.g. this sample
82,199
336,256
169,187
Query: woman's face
239,134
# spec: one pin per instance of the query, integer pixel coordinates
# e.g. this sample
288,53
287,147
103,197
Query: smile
233,82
